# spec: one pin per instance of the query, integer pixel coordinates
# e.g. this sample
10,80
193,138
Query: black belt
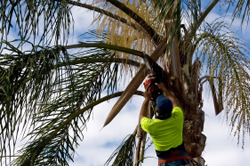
162,154
175,155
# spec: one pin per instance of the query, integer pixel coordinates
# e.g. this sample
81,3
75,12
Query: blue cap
164,105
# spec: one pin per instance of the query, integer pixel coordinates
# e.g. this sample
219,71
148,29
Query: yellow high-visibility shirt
166,133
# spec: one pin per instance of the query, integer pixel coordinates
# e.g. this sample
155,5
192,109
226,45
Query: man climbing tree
166,129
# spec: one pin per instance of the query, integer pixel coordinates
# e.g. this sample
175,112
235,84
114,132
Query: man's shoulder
150,125
177,108
177,111
146,120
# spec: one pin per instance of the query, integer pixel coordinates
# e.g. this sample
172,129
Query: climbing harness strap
175,155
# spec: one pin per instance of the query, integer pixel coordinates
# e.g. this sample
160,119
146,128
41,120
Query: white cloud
221,147
83,18
236,26
82,22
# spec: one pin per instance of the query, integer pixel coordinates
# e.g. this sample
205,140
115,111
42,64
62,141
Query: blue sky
99,143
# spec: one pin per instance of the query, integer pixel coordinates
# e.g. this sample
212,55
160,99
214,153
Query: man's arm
144,107
168,94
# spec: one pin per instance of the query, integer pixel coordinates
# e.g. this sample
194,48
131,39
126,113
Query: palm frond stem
94,104
135,83
93,60
101,11
107,46
204,15
200,20
203,79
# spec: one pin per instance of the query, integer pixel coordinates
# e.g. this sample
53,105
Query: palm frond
26,78
123,155
27,16
143,22
32,79
241,10
226,58
124,35
58,119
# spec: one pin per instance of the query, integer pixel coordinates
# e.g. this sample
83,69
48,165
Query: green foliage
123,155
28,16
241,9
48,93
226,60
26,78
46,87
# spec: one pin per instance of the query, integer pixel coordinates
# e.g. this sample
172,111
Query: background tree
53,90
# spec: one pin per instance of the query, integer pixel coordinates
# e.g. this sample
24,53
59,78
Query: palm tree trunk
193,138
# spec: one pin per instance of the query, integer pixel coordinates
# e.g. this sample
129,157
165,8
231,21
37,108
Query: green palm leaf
76,90
227,60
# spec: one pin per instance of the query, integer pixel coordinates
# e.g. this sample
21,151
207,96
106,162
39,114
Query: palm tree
52,90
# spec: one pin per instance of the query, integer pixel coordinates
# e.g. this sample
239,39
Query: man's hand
161,86
147,94
168,94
